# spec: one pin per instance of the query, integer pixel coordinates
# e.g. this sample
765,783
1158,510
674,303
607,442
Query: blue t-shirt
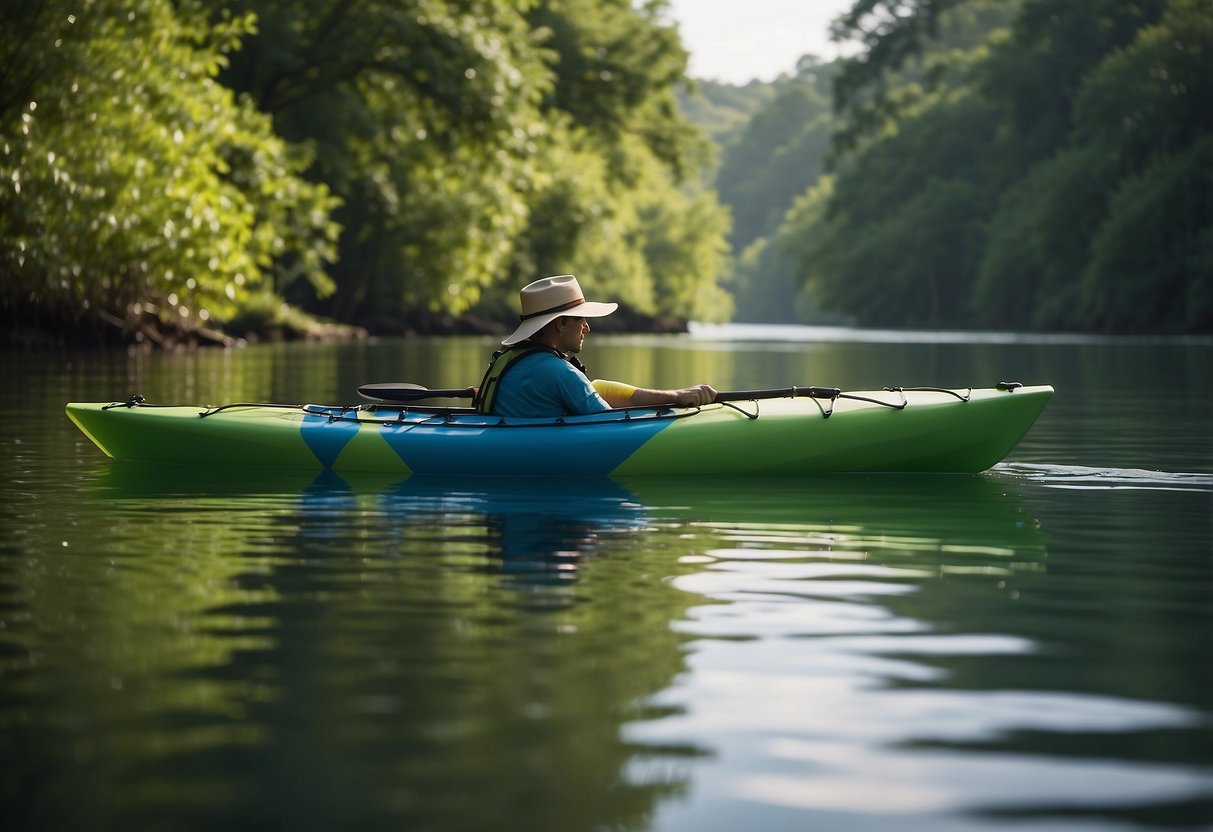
540,385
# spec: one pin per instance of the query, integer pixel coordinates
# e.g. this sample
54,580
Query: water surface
1028,648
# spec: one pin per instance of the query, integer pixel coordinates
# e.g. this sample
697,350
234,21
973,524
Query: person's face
571,332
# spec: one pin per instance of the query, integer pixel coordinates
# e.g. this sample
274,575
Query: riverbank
143,328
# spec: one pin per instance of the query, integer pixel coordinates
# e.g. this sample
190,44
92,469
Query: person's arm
618,394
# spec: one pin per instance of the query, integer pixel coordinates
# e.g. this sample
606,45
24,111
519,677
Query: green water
1030,648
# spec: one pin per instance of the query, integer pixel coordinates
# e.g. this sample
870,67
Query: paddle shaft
404,392
779,393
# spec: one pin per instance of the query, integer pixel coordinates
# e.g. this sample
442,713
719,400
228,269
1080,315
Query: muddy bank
142,328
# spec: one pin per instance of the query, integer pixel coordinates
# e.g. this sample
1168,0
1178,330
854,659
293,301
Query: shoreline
146,331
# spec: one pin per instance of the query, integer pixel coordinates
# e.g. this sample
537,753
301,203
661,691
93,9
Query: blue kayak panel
581,448
326,437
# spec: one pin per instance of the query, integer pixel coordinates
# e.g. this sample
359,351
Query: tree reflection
373,654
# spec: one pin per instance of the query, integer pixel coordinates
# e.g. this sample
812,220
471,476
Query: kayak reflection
541,529
954,517
535,531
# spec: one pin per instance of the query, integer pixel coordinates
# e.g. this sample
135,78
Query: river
1031,648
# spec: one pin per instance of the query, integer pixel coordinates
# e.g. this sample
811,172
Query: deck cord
964,398
337,412
211,411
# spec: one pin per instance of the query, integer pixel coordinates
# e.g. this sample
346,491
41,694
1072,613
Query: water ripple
1081,476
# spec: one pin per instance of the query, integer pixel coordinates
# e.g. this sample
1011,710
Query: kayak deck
895,430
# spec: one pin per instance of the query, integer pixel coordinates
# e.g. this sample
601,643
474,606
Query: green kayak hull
921,431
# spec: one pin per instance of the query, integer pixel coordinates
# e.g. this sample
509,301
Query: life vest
502,361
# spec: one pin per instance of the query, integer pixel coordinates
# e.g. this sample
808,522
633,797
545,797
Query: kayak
797,432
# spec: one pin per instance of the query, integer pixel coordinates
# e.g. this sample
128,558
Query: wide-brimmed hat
546,300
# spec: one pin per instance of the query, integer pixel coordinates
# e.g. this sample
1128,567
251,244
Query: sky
741,40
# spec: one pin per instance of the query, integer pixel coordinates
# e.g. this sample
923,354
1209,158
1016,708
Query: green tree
892,33
775,159
423,117
1047,173
911,50
130,182
1150,260
632,212
481,143
1073,244
722,110
905,223
1152,96
762,289
617,68
1039,242
1037,70
766,165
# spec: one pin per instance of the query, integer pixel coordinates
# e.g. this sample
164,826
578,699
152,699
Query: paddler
536,374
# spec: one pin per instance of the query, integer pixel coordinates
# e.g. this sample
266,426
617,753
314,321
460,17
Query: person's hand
695,396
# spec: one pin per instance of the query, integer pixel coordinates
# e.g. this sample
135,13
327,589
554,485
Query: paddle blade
405,392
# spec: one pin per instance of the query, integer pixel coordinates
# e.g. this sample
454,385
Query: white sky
739,40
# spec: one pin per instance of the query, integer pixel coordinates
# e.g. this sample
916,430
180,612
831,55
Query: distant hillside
771,140
723,110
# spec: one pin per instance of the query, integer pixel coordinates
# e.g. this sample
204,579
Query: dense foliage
619,199
131,181
1052,174
378,161
1011,163
779,154
723,110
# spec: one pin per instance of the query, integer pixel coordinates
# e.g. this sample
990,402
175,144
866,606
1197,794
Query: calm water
1027,649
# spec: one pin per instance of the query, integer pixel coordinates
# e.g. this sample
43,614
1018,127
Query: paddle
405,392
779,393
